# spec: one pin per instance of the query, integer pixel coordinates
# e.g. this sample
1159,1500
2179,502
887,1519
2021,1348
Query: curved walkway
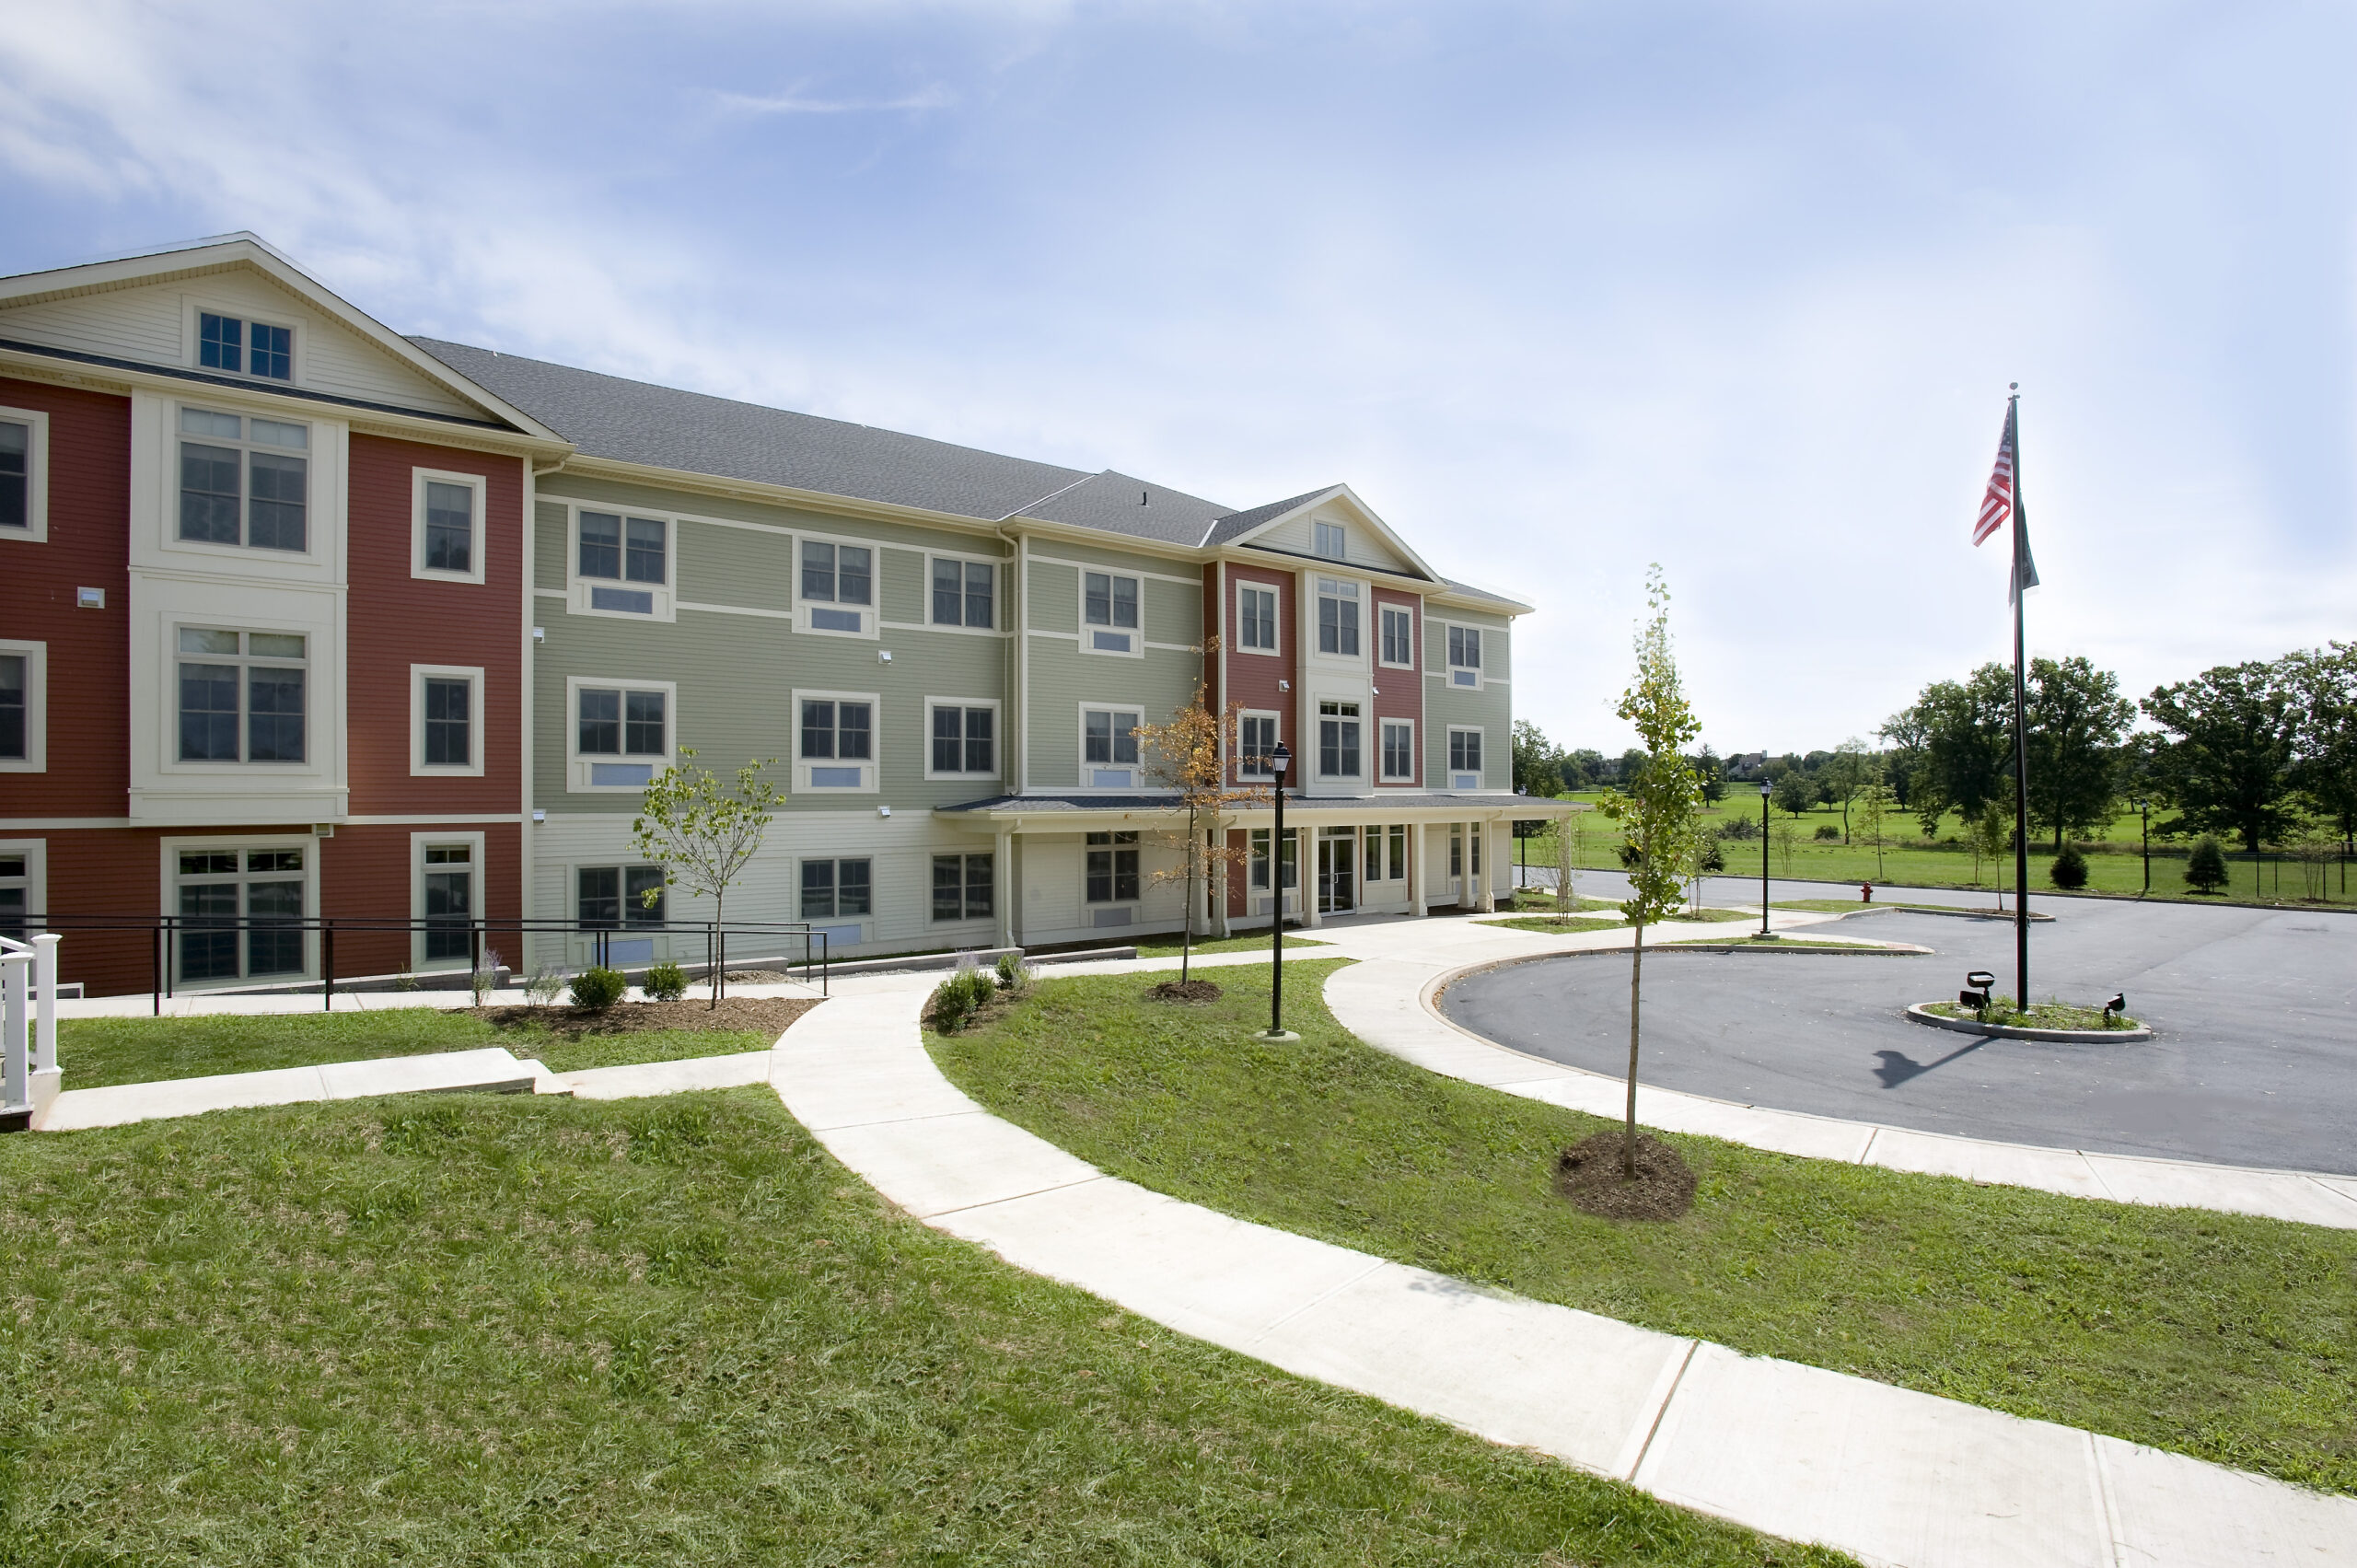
1890,1475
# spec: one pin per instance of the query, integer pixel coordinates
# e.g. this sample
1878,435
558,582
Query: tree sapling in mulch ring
1589,1173
1185,990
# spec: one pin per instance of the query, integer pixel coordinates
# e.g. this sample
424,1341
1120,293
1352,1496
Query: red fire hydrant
1866,892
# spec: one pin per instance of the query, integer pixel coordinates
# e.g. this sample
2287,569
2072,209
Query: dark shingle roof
634,421
1119,504
1235,523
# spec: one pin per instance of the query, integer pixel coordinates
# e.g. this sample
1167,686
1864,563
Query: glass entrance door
1337,882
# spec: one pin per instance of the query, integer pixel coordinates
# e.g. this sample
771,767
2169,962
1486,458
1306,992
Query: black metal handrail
165,952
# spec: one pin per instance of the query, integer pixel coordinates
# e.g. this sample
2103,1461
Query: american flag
1998,504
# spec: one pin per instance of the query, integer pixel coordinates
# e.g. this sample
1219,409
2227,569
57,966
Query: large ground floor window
961,887
241,912
836,889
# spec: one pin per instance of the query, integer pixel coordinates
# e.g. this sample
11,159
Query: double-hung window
964,740
448,722
838,742
961,887
1110,613
1338,618
1112,868
449,527
241,695
23,443
243,347
244,482
1465,655
1256,742
1256,619
1399,852
963,592
625,562
1398,748
1338,740
612,898
1465,759
1109,747
1330,541
1399,636
835,890
449,901
623,735
838,584
240,912
16,707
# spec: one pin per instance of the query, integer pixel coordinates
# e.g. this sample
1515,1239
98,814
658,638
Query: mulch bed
1185,990
1588,1173
764,1015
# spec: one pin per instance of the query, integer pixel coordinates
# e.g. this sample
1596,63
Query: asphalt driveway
2254,1058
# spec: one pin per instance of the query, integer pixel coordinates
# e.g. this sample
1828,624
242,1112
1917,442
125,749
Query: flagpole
2021,732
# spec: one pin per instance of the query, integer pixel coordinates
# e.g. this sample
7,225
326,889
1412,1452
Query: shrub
2070,869
546,984
1014,974
485,977
665,982
2205,871
598,988
1738,828
1826,830
955,1000
1713,857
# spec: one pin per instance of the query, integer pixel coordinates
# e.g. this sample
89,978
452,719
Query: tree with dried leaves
1191,755
702,835
1660,810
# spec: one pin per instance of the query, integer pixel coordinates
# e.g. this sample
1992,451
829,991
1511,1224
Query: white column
44,1056
15,972
1486,900
1003,884
1418,873
1305,861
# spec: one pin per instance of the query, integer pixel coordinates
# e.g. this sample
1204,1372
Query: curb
1916,1015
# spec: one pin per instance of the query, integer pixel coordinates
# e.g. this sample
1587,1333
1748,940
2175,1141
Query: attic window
1330,541
250,348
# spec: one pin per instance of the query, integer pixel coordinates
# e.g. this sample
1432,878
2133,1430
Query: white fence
28,1018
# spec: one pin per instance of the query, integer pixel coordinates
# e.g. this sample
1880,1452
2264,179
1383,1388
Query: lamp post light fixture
1766,789
1279,761
2144,810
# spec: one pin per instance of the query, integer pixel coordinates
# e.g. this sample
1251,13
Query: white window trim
1276,618
998,595
576,773
322,514
170,848
481,549
1382,777
998,736
472,675
192,306
1138,783
417,869
319,699
1080,613
1256,714
871,613
1316,539
36,853
1482,773
862,923
1382,610
1145,877
963,854
36,476
870,770
1364,657
1318,715
576,586
35,757
1448,673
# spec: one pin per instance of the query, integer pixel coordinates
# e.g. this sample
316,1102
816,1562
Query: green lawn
95,1052
480,1330
1167,947
2230,1338
2114,863
1556,925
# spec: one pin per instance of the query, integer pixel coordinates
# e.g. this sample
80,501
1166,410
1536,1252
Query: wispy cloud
797,103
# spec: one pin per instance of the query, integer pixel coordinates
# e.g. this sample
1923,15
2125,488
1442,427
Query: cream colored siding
1363,546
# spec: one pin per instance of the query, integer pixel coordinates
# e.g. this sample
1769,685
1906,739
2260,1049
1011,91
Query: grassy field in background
98,1051
2230,1338
486,1330
2113,865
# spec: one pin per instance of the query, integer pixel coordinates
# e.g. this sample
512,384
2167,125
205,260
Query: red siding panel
1399,693
1254,679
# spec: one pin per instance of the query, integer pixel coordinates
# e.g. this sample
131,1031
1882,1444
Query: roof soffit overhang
244,252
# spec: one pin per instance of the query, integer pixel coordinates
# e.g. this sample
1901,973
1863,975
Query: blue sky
1560,289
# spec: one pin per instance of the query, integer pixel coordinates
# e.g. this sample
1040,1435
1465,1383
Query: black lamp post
1279,761
1766,789
2145,809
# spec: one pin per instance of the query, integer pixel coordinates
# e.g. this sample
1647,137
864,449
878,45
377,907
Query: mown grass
1167,947
2230,1338
1556,925
98,1051
480,1330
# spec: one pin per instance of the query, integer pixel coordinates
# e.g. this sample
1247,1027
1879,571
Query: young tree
2076,720
1190,755
703,835
1873,807
2205,869
1660,810
1792,791
1710,772
2229,759
1844,775
1989,830
1968,746
1786,838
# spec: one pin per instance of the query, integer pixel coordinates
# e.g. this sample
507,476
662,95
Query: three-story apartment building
298,616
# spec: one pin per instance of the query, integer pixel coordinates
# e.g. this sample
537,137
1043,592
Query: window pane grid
449,527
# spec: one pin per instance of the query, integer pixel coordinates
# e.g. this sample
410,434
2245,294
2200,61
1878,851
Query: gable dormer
1332,525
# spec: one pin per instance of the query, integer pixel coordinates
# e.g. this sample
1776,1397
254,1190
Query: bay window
244,482
241,695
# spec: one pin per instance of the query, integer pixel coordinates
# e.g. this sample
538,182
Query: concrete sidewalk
493,1069
1890,1475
